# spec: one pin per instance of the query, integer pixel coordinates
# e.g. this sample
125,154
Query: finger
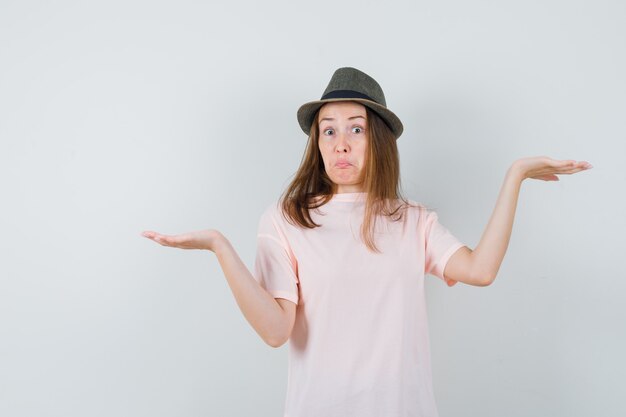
566,163
571,163
572,170
163,240
564,166
567,169
581,164
152,236
177,241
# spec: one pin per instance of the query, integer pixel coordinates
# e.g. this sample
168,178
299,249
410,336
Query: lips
342,164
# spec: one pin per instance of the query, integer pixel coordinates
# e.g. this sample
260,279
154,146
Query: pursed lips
342,164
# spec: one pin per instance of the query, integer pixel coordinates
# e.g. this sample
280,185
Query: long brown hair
311,187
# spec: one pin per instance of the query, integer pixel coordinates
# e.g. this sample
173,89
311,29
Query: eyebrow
349,118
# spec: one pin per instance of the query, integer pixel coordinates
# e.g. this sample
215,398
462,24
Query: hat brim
307,111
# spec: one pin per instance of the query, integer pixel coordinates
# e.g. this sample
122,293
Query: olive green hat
351,84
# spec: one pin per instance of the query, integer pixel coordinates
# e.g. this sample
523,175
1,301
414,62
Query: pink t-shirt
360,344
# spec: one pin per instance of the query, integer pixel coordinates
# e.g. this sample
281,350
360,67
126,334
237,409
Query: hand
201,239
546,168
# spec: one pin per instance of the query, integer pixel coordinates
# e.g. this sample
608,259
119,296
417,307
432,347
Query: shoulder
416,209
268,224
271,211
273,215
415,204
421,215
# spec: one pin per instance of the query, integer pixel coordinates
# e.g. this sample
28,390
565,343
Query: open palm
201,239
546,168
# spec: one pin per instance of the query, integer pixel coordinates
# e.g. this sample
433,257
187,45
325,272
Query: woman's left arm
480,266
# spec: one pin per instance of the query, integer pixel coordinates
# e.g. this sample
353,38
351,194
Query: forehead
342,109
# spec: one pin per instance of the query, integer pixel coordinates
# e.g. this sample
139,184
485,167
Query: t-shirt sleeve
440,246
275,266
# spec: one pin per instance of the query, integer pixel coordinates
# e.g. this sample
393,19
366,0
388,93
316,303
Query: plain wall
123,116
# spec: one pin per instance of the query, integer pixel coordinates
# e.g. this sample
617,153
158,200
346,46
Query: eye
357,129
327,130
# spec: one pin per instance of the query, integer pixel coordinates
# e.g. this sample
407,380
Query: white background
123,116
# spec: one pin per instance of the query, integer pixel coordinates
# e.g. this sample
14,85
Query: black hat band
346,94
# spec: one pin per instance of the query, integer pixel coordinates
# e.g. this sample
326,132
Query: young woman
342,256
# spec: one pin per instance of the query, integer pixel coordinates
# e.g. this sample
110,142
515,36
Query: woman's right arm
271,318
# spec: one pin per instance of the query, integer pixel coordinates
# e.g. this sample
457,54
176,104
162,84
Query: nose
342,143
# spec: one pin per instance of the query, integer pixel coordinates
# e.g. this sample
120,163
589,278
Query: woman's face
343,140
